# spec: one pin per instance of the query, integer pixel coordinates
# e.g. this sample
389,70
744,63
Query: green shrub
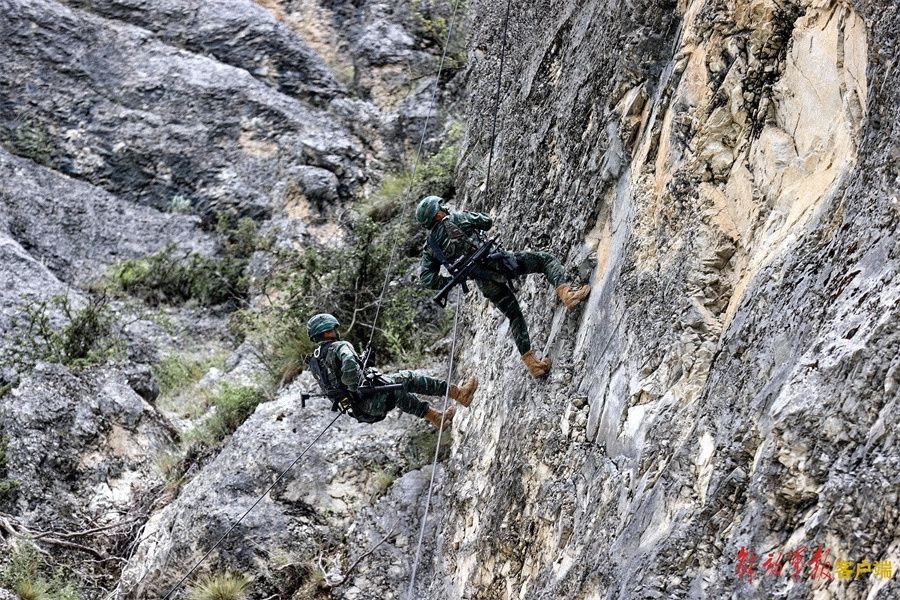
22,569
175,371
347,281
233,404
6,485
25,572
399,191
221,586
32,590
65,591
165,277
87,335
383,479
432,25
172,277
28,138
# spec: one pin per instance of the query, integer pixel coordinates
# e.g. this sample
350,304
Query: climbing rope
437,450
487,180
412,577
415,170
247,512
378,304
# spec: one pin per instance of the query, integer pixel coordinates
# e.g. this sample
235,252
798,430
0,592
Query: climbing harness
412,577
252,506
371,383
486,262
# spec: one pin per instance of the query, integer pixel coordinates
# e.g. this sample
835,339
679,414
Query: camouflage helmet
319,324
428,207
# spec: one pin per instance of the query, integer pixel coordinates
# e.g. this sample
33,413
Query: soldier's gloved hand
345,404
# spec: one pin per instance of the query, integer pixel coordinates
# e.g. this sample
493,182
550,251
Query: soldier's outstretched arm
349,366
430,272
478,220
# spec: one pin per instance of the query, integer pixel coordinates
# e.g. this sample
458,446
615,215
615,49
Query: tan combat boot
537,367
434,417
572,297
464,394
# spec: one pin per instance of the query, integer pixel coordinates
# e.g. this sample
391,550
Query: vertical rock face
733,380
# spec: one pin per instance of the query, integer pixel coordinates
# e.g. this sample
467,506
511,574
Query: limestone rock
301,518
82,446
152,123
77,229
27,283
738,343
240,33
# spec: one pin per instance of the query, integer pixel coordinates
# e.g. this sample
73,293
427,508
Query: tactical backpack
326,376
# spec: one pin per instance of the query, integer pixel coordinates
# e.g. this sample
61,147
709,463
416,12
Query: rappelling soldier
368,395
454,235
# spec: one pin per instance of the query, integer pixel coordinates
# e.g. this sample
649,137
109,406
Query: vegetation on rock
6,485
77,337
347,281
232,404
221,586
25,573
173,277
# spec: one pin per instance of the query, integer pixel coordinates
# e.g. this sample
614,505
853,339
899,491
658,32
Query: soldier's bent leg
503,298
541,262
418,383
411,404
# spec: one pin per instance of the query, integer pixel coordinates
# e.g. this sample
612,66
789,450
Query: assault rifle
371,381
363,391
461,271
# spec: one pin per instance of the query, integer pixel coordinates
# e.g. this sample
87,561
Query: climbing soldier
368,395
455,235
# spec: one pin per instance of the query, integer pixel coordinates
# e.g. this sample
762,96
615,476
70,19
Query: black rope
487,181
418,555
412,179
247,512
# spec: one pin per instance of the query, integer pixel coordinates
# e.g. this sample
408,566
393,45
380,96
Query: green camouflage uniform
456,235
342,366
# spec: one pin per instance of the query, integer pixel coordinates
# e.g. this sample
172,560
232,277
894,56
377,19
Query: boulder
302,520
82,446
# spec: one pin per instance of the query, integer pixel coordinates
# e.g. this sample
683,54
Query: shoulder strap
319,367
436,250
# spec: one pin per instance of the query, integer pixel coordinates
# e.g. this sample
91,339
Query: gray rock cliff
725,175
733,380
